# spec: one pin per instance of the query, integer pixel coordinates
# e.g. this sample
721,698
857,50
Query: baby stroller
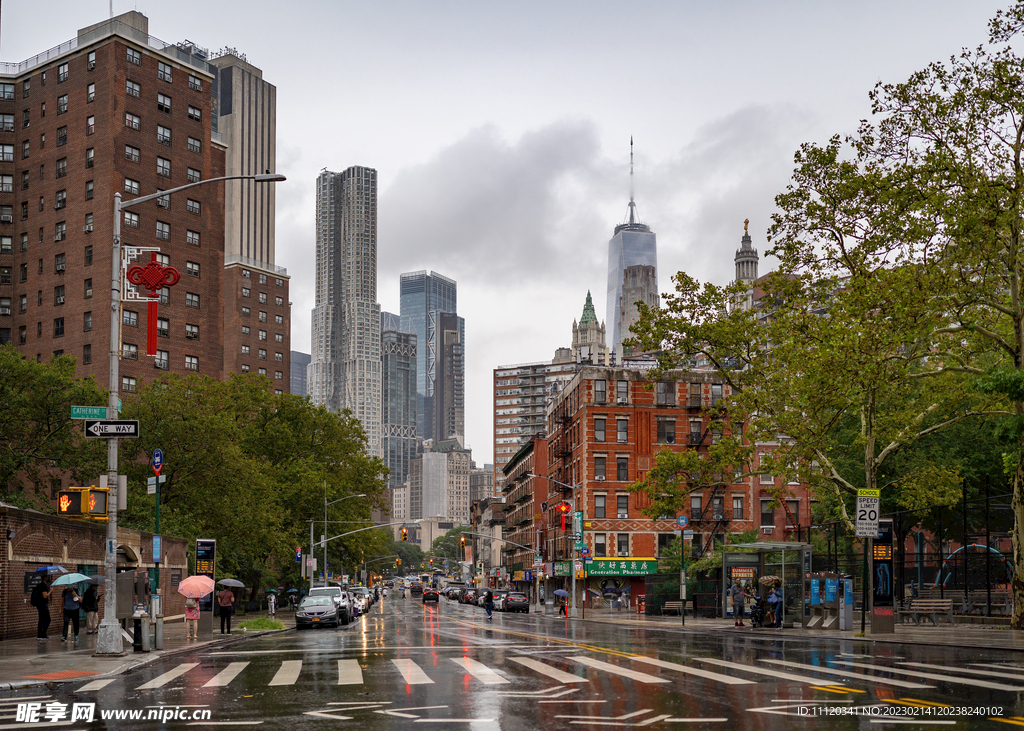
757,612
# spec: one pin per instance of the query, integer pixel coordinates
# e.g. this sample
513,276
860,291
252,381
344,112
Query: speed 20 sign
867,513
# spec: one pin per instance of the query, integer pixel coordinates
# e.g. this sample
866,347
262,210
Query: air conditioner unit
6,219
622,400
718,515
5,310
60,267
600,478
92,65
192,336
60,300
767,529
87,228
58,237
161,364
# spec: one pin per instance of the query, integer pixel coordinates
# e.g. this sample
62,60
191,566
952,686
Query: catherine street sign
88,412
107,429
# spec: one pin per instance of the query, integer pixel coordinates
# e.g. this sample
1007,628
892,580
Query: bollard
146,641
137,633
157,608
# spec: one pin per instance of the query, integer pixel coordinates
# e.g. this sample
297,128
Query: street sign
577,521
682,521
88,412
585,551
298,554
687,534
151,485
588,560
109,428
158,460
867,513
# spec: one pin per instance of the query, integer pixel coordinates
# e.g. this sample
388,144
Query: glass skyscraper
633,244
398,399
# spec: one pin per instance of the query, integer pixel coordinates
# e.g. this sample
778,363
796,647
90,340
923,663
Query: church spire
589,316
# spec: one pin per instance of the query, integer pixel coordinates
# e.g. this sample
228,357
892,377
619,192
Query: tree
39,441
449,545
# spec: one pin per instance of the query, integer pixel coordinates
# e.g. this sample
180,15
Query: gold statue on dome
746,222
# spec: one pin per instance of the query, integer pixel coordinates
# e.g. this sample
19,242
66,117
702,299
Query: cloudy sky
501,130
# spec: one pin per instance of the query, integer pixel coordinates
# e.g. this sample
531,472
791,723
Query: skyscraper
398,401
632,244
440,386
345,370
746,269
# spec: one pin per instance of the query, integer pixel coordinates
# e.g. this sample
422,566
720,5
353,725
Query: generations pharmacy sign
622,567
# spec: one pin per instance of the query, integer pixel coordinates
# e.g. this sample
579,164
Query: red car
430,594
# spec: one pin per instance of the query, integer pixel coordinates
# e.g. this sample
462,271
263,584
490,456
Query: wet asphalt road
406,665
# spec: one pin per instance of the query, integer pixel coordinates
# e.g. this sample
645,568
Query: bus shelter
787,563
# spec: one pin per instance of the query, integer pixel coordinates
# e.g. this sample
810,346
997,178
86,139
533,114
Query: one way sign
105,429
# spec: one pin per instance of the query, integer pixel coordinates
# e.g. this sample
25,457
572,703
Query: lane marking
728,679
554,692
96,685
226,675
933,676
986,673
777,674
847,674
349,672
454,720
479,671
288,673
162,680
616,670
544,669
552,640
412,673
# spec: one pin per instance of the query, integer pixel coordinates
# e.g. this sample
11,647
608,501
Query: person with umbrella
563,604
226,602
193,589
71,602
41,601
91,605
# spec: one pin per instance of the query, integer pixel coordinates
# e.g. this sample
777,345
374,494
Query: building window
86,353
62,73
193,207
26,88
245,312
131,219
6,122
246,274
192,237
622,430
132,89
129,351
600,546
163,201
666,394
263,298
163,167
767,513
621,506
88,288
195,83
192,332
599,506
163,136
262,354
279,357
622,469
165,295
192,268
245,329
263,316
90,93
92,60
194,145
263,278
62,169
22,335
666,431
262,371
600,394
163,327
59,262
163,231
7,184
599,432
191,299
194,176
24,179
793,518
245,367
90,127
163,71
7,153
695,507
62,105
245,350
279,301
58,294
23,304
134,57
58,327
132,154
278,338
90,157
132,120
163,104
279,319
24,149
88,255
127,384
622,392
88,190
24,241
737,507
162,360
191,363
278,375
622,546
246,292
26,120
195,113
130,318
5,305
263,335
131,186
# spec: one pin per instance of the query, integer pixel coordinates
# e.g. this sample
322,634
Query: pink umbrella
196,587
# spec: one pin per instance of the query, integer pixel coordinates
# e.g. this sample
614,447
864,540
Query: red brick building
525,488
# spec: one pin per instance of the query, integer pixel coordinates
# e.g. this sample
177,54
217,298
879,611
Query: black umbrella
233,583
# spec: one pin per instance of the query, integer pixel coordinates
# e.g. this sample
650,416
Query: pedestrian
563,607
226,601
191,619
271,603
774,609
779,606
91,605
40,599
489,604
739,596
71,601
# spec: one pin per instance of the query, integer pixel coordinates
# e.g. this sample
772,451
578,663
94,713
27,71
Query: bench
977,601
931,608
675,607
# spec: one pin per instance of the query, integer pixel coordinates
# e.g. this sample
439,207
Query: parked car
499,599
468,597
416,588
430,595
517,602
314,611
340,598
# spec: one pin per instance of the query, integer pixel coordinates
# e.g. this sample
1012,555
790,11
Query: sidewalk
28,662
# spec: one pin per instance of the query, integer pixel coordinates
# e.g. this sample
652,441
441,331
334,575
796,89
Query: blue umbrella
51,570
292,591
561,592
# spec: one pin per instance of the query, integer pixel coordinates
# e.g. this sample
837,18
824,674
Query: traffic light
462,541
398,562
431,562
87,503
405,534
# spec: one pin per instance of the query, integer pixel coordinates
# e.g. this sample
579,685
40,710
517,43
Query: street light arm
493,538
369,527
343,498
261,178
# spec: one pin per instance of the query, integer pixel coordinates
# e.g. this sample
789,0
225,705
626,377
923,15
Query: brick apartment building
604,430
525,489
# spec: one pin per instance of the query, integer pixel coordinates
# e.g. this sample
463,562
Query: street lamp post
108,641
325,524
572,553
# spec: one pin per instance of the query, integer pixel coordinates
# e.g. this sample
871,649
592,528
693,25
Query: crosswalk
572,667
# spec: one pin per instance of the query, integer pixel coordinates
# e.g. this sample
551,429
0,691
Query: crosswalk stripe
848,674
96,685
162,680
288,673
728,679
777,674
226,675
349,672
616,670
479,671
933,676
986,673
544,669
411,672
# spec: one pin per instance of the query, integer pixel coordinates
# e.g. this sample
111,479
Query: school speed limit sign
867,513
